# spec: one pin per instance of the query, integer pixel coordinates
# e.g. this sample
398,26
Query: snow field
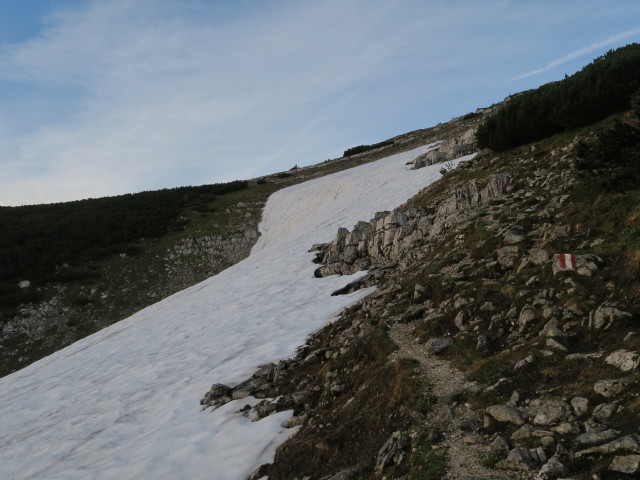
123,403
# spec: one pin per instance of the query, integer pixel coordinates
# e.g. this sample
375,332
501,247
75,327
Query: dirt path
462,449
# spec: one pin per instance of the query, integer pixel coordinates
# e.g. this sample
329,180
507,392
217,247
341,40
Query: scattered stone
605,316
506,256
499,445
296,421
629,443
624,360
519,459
302,397
524,362
584,356
527,315
523,433
393,450
511,238
504,413
342,475
605,411
554,344
216,391
613,387
580,406
259,472
551,412
438,345
629,464
554,468
590,439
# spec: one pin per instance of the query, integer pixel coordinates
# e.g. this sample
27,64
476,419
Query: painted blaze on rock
565,261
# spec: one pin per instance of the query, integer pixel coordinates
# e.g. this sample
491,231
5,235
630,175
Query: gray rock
266,372
580,406
624,360
302,397
612,387
527,315
524,433
438,345
551,412
499,445
590,439
342,475
603,317
504,413
605,411
627,444
518,459
538,256
506,256
296,421
240,393
629,464
554,468
554,344
511,238
392,451
524,362
215,394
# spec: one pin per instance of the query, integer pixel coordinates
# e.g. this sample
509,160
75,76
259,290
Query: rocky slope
503,340
203,244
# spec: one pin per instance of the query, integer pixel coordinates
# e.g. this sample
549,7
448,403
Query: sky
105,97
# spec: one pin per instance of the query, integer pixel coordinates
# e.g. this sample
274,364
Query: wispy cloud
127,95
581,52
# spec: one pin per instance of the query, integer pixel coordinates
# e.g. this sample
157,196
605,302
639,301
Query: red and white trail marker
565,261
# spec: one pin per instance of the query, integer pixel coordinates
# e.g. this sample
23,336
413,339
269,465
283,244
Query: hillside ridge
494,277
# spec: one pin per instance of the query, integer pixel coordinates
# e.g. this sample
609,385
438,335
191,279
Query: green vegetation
366,148
36,239
603,87
614,158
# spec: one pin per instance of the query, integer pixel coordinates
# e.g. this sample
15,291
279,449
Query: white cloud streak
581,52
146,94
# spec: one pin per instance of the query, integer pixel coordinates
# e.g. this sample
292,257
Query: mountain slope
125,400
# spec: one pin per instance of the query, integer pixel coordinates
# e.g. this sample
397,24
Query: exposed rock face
390,235
475,271
454,147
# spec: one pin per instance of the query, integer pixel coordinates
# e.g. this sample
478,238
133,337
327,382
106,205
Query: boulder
605,316
517,459
590,439
629,464
438,345
612,387
551,412
504,413
580,406
605,411
216,392
627,444
624,360
507,256
554,468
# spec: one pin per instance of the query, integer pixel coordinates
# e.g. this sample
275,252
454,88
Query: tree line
601,88
35,239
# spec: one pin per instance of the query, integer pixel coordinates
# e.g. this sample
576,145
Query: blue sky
114,96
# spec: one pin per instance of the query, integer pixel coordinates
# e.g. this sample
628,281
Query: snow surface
123,403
